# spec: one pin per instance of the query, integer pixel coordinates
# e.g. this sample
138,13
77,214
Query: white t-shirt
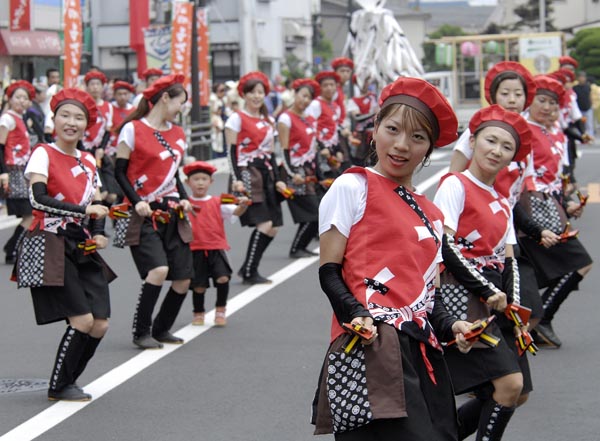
7,120
450,199
285,119
226,209
462,144
314,109
127,134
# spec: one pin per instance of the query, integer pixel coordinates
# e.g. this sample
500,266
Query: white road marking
55,414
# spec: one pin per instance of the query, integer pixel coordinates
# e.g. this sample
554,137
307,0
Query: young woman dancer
396,385
149,153
58,258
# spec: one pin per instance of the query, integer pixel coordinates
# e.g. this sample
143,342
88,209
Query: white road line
55,414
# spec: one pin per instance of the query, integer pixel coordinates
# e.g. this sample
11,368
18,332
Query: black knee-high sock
10,247
142,320
493,421
68,356
222,293
198,301
296,243
86,356
257,245
468,417
554,296
308,234
168,312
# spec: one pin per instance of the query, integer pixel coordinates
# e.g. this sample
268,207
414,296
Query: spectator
584,101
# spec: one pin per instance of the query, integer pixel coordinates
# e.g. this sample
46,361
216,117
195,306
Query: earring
372,144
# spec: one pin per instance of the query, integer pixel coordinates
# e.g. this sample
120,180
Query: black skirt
18,207
85,289
270,207
304,208
554,262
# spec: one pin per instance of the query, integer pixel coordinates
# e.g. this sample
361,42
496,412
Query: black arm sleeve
275,167
287,163
464,272
525,224
2,165
96,226
511,280
345,305
180,187
441,319
121,176
105,140
40,200
233,163
572,131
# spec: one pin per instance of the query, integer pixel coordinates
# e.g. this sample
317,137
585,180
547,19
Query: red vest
207,225
327,123
391,244
483,225
547,152
17,148
119,115
67,182
509,181
339,100
254,140
152,167
93,135
302,138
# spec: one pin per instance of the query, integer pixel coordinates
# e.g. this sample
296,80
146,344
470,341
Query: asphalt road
254,379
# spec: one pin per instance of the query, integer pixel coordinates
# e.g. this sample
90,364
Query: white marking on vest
423,233
59,197
181,143
495,207
473,236
76,171
382,276
165,154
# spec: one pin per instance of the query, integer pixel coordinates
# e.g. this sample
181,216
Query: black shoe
168,338
302,253
146,342
72,392
547,335
256,279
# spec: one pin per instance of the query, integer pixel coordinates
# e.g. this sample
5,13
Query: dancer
58,258
150,151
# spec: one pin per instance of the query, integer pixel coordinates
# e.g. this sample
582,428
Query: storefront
27,54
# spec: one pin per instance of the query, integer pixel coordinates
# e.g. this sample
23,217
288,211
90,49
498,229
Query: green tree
529,16
585,48
429,59
322,48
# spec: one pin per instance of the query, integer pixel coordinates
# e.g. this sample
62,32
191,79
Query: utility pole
542,9
195,113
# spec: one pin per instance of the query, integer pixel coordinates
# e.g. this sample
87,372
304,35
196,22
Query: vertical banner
181,40
20,15
139,19
203,56
157,40
73,41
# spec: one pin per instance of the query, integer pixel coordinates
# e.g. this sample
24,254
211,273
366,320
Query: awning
44,43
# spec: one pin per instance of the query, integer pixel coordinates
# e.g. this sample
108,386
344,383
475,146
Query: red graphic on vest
68,182
366,104
119,115
407,272
340,99
254,140
17,149
483,225
152,167
302,139
547,152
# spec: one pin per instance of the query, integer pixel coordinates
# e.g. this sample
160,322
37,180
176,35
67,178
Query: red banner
139,19
73,41
203,56
20,15
181,40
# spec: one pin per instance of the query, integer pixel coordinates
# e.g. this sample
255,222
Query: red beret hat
559,76
497,116
76,96
307,82
161,84
123,85
199,166
494,77
152,72
546,85
342,61
565,59
21,84
568,73
327,74
254,75
428,100
95,75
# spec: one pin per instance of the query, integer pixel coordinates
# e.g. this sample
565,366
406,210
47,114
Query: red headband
161,84
76,96
21,84
257,76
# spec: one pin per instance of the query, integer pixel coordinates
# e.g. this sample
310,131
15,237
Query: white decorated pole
379,46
